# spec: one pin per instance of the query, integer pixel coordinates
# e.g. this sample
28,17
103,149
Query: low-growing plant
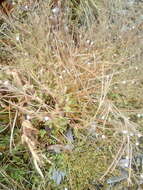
64,120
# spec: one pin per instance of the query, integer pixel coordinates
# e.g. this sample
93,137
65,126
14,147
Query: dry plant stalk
6,7
29,137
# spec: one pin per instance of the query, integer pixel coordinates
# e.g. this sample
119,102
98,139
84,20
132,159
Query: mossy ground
93,87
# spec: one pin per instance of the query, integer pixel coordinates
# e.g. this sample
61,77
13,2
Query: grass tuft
72,70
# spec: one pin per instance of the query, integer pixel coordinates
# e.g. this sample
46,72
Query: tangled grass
60,73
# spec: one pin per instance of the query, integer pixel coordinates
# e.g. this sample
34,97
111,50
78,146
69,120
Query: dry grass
64,76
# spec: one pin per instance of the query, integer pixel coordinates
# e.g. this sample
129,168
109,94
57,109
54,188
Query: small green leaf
42,133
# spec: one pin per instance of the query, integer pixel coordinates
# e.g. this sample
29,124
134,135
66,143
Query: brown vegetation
6,7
